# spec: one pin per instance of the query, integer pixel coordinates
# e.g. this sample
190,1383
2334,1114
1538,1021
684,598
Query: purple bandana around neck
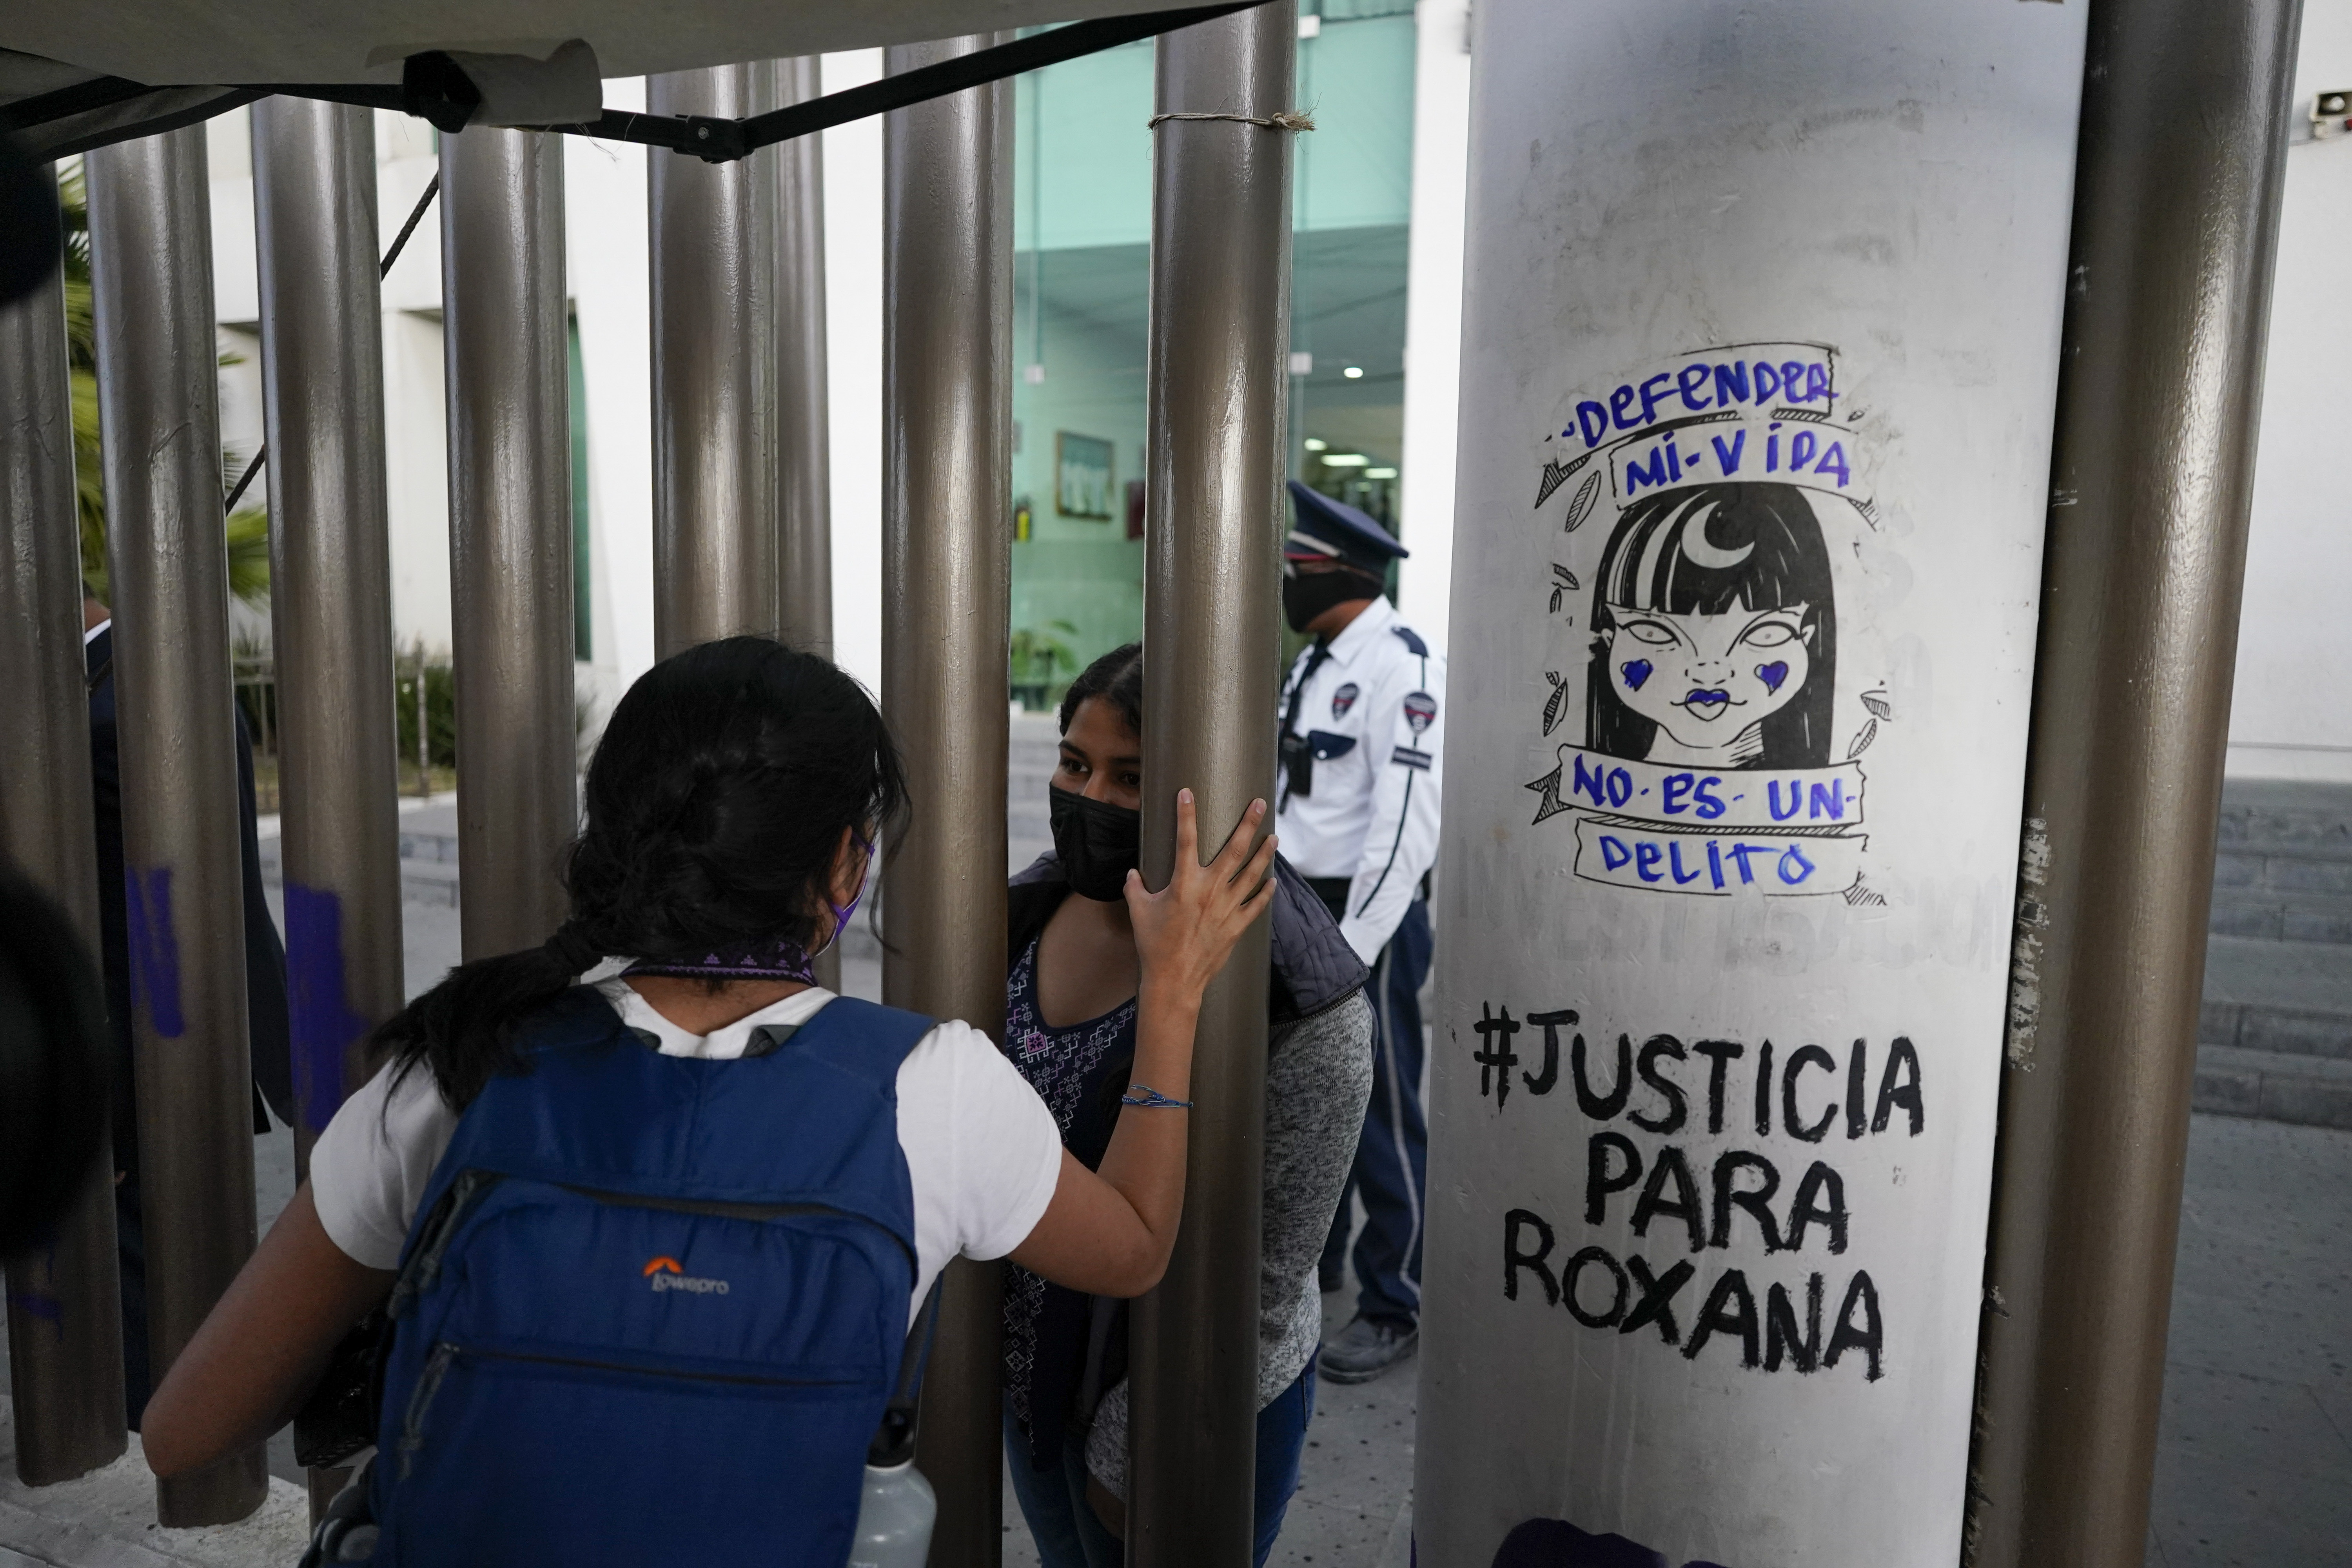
779,960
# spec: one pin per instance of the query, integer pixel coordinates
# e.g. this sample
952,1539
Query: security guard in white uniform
1361,743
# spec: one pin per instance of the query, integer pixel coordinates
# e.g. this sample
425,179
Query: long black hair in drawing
1781,562
716,804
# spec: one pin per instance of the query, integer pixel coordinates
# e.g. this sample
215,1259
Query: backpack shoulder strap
864,1039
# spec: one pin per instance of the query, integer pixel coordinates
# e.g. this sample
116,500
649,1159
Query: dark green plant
440,714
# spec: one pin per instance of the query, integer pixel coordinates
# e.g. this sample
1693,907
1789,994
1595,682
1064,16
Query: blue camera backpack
653,1307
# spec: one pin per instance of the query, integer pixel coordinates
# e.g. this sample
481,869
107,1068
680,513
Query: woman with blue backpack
650,1247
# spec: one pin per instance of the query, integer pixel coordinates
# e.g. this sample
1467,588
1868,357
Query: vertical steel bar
65,1307
1218,382
502,291
714,364
330,588
152,288
804,463
803,433
2176,221
947,576
330,600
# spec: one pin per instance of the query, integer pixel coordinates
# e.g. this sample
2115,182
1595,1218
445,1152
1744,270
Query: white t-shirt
982,1153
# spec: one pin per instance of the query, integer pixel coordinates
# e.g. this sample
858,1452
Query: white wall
1432,311
2291,717
416,416
606,254
853,320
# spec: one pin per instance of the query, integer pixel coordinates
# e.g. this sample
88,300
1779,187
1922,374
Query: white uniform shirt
982,1153
1373,713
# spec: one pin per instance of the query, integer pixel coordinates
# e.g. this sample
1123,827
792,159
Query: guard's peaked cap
1327,530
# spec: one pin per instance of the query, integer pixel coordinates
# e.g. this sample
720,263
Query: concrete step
2310,1091
2286,818
2270,915
2283,862
2294,998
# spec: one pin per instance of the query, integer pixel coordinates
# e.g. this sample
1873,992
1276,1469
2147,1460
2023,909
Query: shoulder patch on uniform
1420,711
1411,639
1405,756
1344,698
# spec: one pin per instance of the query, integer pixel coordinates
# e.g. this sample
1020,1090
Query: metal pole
65,1304
713,277
330,587
151,285
804,464
2176,220
509,531
1218,383
330,600
947,583
803,433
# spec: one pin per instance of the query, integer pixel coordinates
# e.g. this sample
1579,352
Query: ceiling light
1344,459
1315,444
1354,372
1380,473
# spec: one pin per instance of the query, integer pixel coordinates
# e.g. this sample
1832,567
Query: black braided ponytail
715,806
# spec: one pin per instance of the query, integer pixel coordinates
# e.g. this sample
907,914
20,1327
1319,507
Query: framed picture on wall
1082,476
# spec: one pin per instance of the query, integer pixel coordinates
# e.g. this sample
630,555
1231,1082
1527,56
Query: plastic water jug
894,1519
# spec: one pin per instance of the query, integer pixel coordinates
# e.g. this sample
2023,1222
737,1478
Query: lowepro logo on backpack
667,1275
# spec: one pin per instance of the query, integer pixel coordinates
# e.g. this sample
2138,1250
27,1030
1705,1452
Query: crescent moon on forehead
1702,553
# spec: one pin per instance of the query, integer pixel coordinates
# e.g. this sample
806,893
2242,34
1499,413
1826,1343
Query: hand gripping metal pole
502,290
151,285
2176,220
714,364
947,570
804,460
1217,384
64,1305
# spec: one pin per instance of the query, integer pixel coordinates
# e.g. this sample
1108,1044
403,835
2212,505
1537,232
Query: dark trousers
1392,1163
1062,1524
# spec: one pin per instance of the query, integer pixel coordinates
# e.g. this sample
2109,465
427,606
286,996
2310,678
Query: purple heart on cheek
1774,674
1635,672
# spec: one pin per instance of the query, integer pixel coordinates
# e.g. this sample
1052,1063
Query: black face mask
1306,595
1099,842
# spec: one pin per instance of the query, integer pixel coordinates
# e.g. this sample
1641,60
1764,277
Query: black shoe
1367,1347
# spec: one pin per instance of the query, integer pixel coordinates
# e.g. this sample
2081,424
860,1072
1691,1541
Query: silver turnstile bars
502,289
65,1308
803,435
1217,384
947,566
151,285
714,366
331,589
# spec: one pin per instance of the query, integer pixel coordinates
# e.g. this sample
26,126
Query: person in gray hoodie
1070,1004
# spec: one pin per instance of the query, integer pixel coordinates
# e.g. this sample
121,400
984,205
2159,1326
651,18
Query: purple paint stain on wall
319,1006
154,948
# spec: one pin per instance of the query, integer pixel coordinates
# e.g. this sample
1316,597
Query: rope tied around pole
1280,120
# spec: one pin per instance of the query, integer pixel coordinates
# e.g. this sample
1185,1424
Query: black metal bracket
427,91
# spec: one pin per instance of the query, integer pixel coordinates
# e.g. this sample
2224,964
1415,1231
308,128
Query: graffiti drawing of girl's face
1714,634
1707,681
